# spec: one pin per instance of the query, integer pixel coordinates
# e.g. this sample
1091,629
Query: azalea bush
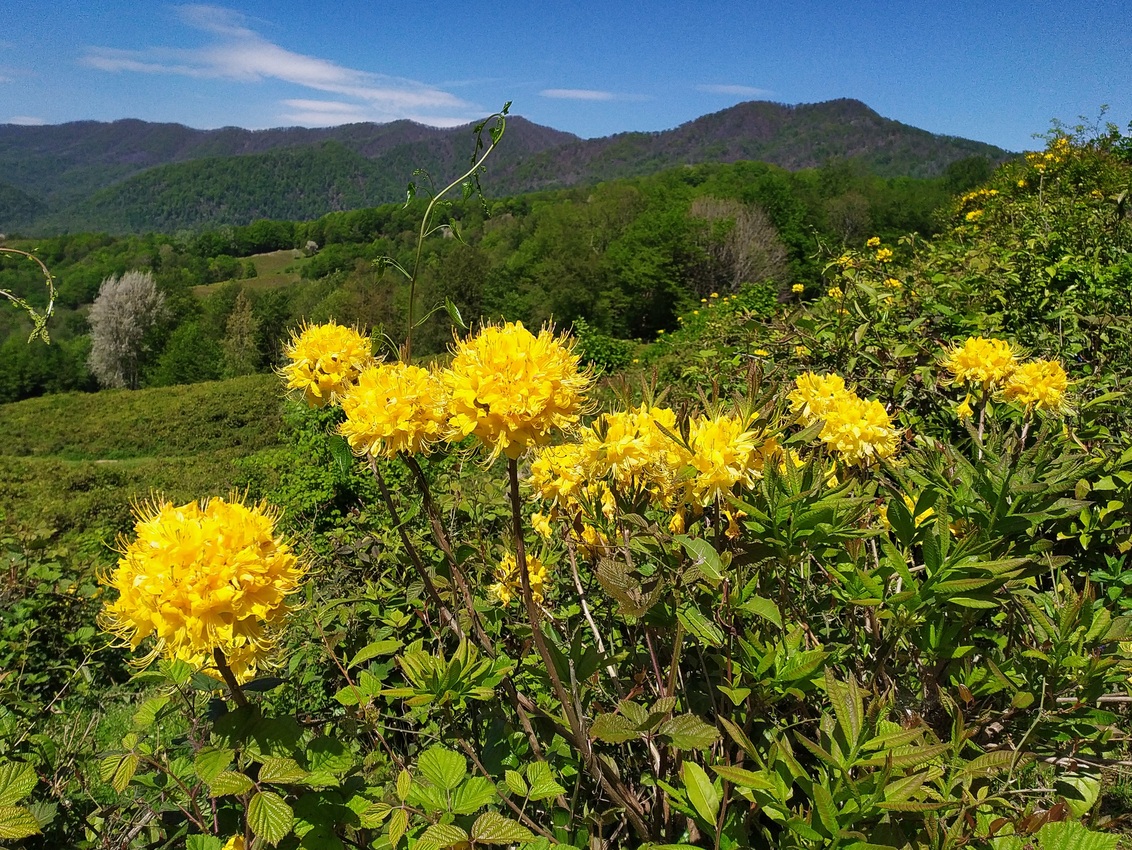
857,594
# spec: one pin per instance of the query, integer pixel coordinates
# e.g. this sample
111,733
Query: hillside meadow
834,555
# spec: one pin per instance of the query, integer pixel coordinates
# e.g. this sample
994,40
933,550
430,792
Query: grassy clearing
273,270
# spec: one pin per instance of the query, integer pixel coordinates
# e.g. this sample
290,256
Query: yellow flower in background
715,295
874,241
236,842
733,528
893,283
508,583
859,430
393,408
723,452
541,524
801,351
202,576
512,389
798,287
1039,385
973,215
884,255
325,360
761,352
981,361
834,292
813,396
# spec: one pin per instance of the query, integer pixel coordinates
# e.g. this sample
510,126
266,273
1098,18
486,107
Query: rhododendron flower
393,408
559,472
236,842
325,360
633,448
859,430
723,453
1038,385
981,361
508,583
798,287
203,576
512,389
813,395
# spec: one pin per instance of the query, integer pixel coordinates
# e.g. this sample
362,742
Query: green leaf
210,762
441,835
542,782
330,756
17,780
516,783
689,732
398,823
372,650
454,314
283,771
203,842
443,768
847,704
269,817
827,812
1071,835
404,783
699,626
743,778
704,556
229,782
147,713
494,828
125,771
765,608
472,795
613,729
701,792
16,822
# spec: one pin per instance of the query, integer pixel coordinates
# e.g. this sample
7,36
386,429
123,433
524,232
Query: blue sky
993,71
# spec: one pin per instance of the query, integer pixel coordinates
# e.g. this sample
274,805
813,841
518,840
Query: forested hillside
130,176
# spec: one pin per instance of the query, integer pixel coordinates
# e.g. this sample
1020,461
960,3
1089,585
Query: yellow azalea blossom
834,292
512,389
981,361
801,351
634,448
974,215
594,543
660,332
884,255
541,524
874,241
676,524
723,454
859,430
733,528
236,842
715,295
558,473
813,396
847,261
202,576
393,408
963,409
1039,385
508,583
324,362
761,352
893,283
798,287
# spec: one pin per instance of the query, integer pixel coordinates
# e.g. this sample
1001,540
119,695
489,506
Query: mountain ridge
130,175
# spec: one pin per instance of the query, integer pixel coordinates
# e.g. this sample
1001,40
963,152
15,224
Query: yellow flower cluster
203,576
874,242
511,389
1055,154
884,255
1039,385
394,408
325,361
633,450
986,362
236,842
798,288
973,215
508,583
834,292
859,430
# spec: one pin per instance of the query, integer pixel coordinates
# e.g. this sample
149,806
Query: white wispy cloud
239,53
745,91
578,94
26,120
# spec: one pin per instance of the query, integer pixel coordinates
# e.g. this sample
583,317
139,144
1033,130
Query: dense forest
626,256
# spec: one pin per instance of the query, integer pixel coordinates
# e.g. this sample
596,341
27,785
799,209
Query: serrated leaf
443,768
827,812
441,835
613,729
765,608
689,732
494,828
284,771
472,795
210,762
147,713
542,782
17,822
634,712
229,782
203,842
269,817
398,823
17,780
404,783
327,755
516,783
125,771
701,792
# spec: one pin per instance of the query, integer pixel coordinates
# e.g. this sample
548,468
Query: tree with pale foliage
125,310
